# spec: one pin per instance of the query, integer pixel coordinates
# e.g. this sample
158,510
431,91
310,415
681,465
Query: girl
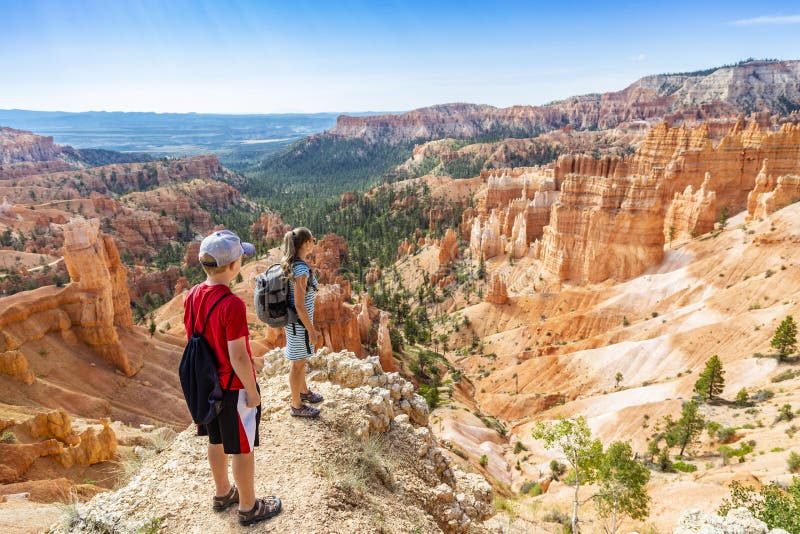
301,336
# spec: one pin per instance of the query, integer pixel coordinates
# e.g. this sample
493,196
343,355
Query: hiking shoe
222,503
304,411
311,397
264,508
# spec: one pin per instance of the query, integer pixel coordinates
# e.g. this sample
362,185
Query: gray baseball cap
225,247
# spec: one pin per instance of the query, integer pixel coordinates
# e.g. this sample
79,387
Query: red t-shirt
227,323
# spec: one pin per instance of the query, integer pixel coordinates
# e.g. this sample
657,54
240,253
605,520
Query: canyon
588,268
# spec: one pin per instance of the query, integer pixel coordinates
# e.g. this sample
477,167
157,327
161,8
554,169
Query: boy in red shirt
235,429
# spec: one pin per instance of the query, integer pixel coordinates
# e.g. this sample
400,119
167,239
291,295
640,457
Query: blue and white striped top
296,347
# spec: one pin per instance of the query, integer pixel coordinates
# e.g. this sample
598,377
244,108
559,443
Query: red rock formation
348,197
725,93
691,213
373,275
603,228
498,294
23,153
610,220
771,194
192,255
14,364
91,307
270,228
327,256
336,318
181,285
16,458
385,353
364,319
405,248
448,248
52,424
92,448
159,283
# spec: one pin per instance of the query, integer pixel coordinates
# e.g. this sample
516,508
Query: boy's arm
240,361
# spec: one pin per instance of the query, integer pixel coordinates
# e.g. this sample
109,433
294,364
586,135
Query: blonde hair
208,258
293,241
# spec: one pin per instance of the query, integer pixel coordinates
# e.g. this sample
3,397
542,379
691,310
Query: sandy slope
721,295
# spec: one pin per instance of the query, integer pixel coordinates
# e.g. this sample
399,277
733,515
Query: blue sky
298,56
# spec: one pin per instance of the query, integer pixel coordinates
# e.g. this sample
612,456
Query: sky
313,56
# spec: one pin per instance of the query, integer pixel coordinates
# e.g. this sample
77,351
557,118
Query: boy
235,429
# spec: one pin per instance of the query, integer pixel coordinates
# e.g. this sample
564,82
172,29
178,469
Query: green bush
557,516
777,507
8,437
484,460
725,434
519,447
742,397
430,394
729,452
785,413
534,489
557,469
684,467
793,462
786,375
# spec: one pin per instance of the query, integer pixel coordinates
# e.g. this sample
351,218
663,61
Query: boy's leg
243,475
218,461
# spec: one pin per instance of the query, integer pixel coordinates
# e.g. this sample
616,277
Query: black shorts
236,425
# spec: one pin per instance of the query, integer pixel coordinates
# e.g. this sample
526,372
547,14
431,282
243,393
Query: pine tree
688,427
785,339
711,382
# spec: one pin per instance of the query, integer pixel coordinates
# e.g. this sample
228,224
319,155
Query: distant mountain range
759,85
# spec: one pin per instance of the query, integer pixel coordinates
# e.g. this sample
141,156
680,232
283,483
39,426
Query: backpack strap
191,308
311,278
210,311
202,332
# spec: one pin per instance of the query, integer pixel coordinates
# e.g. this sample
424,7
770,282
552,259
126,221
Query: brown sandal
264,508
222,503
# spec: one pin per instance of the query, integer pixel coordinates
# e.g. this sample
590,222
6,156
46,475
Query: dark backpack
198,372
271,297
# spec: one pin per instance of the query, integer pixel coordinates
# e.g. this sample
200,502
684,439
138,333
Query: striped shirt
296,347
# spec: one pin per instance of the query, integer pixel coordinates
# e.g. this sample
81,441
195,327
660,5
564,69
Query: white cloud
757,21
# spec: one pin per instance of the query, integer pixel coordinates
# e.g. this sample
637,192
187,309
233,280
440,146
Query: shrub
786,375
8,437
519,447
557,469
534,489
430,394
663,462
725,434
785,413
793,462
777,507
557,516
713,427
742,397
684,467
764,394
484,460
728,452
